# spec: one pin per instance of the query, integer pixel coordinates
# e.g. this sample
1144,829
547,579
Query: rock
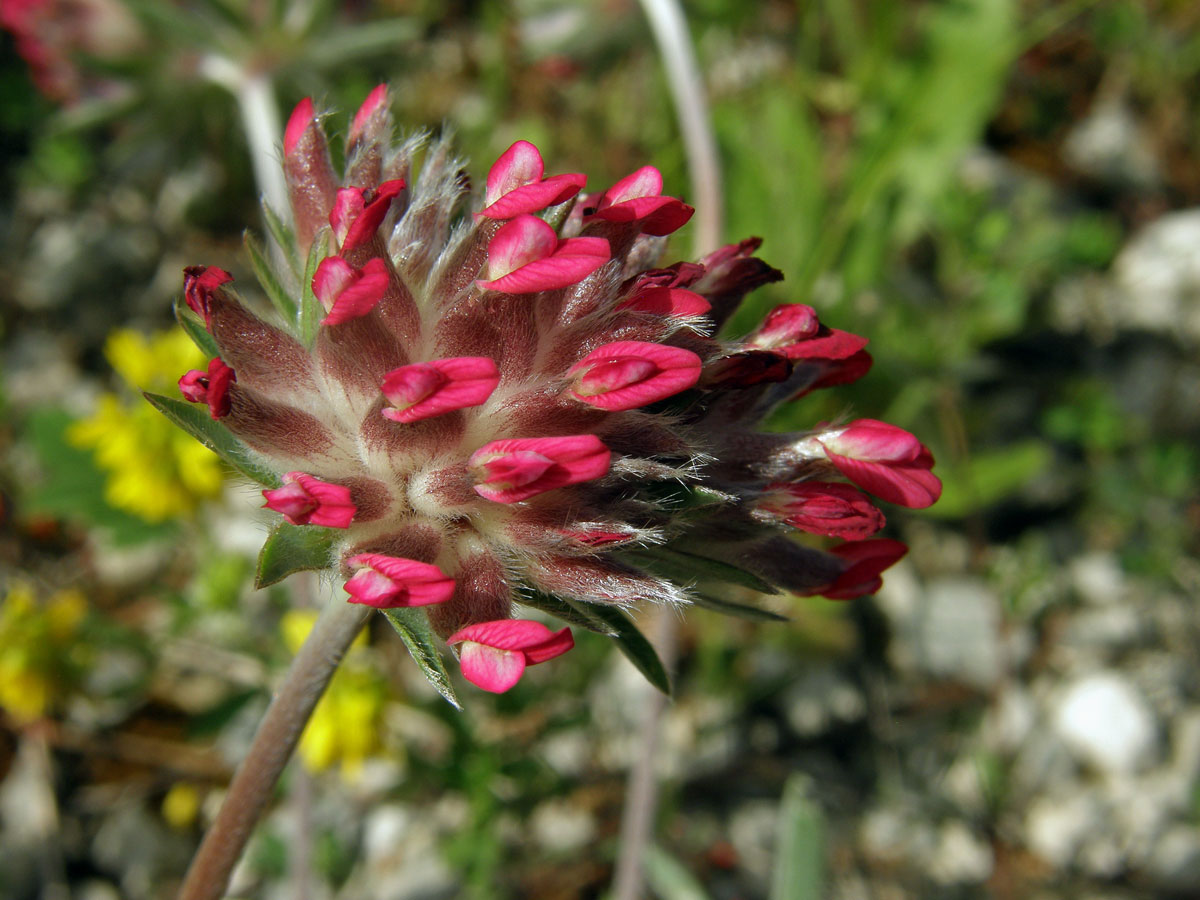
1111,145
960,857
1097,579
822,697
1107,724
1159,274
563,827
1174,864
752,831
957,632
1057,826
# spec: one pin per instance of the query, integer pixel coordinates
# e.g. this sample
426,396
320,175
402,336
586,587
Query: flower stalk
208,876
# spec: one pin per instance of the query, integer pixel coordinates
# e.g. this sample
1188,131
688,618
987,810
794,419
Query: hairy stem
641,794
687,92
255,97
208,876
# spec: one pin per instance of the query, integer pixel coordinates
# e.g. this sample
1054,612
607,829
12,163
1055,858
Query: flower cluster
518,407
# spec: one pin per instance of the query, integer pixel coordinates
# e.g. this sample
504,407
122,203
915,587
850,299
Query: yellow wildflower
155,471
35,650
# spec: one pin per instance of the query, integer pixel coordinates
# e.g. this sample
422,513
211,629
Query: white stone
960,856
563,827
1057,826
1107,724
957,632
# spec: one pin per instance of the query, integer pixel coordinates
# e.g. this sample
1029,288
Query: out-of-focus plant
153,471
41,655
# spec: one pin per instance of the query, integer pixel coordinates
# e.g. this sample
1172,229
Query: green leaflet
629,640
195,330
685,568
311,311
265,272
800,846
293,548
284,238
195,420
708,600
414,630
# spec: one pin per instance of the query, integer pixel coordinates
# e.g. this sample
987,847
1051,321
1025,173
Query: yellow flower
35,649
155,471
344,728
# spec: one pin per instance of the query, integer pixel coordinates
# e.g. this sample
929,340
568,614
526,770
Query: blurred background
1004,195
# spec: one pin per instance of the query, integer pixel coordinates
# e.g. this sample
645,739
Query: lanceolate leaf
284,238
311,311
279,297
195,420
709,600
189,323
629,640
560,609
684,567
292,548
414,630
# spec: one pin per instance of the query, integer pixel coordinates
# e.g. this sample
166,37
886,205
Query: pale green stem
255,97
208,876
687,91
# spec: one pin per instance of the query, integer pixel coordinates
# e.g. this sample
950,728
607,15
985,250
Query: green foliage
423,646
293,548
800,847
70,486
196,421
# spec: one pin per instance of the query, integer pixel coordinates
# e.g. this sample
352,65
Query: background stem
208,876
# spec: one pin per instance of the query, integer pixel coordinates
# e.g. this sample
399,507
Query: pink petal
628,374
517,243
504,634
556,645
376,100
842,371
291,501
211,387
489,668
530,198
298,123
828,508
199,283
522,265
422,390
655,215
785,325
505,470
665,301
908,484
831,343
333,507
194,386
388,581
872,440
865,560
519,165
358,212
645,182
349,296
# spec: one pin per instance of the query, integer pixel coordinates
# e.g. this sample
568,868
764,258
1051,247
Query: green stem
208,876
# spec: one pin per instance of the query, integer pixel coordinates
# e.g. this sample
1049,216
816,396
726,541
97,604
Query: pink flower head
301,119
422,390
638,198
794,330
515,184
358,212
211,387
387,582
199,282
305,500
526,256
628,374
864,561
841,371
347,292
376,102
666,301
828,508
494,655
885,460
515,469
